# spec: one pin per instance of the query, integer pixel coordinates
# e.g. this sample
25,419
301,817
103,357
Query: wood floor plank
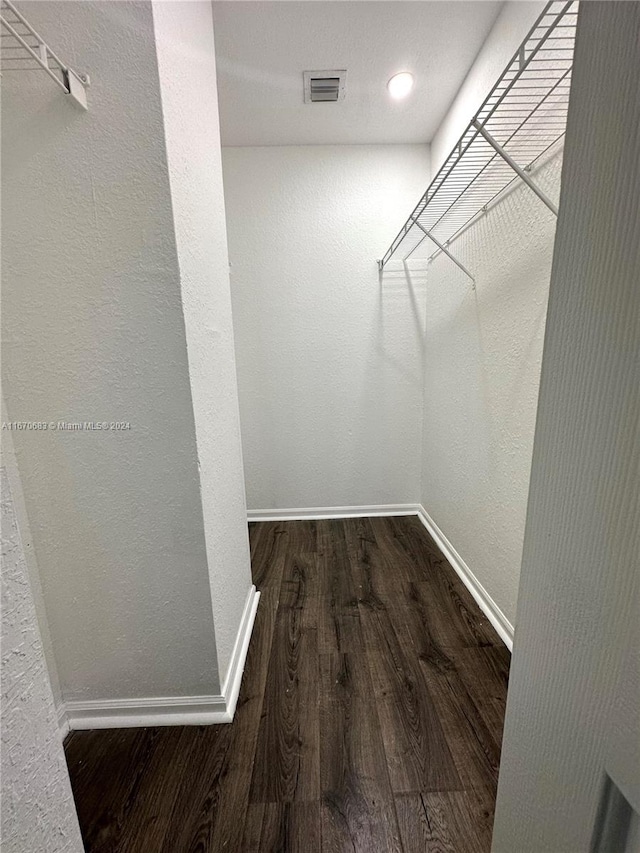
283,828
336,579
416,540
357,804
269,541
473,625
417,630
440,822
199,813
450,611
417,752
485,674
454,617
124,761
339,628
475,748
300,587
377,578
303,537
253,828
287,756
376,583
388,579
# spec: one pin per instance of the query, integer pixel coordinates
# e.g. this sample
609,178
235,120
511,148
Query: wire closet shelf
24,50
523,117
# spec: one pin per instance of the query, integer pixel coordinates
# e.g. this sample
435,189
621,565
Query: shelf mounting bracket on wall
440,246
520,121
520,172
444,249
24,50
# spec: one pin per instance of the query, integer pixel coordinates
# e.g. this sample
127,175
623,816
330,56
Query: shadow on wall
402,291
481,353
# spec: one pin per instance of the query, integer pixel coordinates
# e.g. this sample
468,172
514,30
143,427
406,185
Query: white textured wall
38,814
483,350
187,67
329,361
10,463
578,610
482,368
93,330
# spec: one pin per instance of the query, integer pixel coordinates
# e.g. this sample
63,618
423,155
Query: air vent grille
324,86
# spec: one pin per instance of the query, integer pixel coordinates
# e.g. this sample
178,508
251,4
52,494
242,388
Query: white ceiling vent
324,86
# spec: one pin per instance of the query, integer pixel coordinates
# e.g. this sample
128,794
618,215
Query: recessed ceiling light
400,84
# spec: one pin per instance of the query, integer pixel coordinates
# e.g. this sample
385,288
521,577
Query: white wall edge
318,513
169,710
488,606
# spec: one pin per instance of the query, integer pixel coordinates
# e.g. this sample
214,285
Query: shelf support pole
444,249
520,172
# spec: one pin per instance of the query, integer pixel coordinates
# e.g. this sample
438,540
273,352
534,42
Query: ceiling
263,47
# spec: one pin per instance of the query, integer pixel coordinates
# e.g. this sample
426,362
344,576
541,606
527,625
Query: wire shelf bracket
24,50
521,172
444,249
522,118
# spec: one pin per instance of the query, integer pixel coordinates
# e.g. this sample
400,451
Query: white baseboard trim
171,710
139,713
317,513
488,606
233,680
63,721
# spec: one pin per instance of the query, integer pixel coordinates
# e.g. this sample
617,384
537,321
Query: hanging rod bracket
517,169
444,249
77,86
32,49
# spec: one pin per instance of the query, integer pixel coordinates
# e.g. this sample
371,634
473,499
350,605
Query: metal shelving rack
24,50
523,117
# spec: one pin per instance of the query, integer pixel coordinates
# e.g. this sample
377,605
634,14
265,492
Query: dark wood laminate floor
369,720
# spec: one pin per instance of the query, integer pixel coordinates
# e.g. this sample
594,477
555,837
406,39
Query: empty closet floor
370,715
